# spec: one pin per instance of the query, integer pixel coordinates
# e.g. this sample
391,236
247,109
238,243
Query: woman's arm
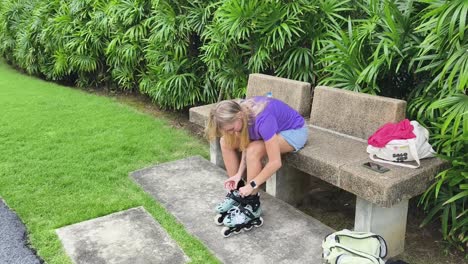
231,182
242,166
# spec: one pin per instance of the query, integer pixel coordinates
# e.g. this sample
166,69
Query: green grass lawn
65,156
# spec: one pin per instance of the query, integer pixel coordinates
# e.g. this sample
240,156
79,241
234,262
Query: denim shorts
296,137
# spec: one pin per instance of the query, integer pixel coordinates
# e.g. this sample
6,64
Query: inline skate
244,216
231,200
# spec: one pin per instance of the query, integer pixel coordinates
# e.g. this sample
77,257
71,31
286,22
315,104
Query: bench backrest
352,113
295,93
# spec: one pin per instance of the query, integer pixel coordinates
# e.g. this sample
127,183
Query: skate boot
231,200
244,216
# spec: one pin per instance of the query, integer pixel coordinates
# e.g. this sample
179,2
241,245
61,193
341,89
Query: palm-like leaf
456,111
443,51
447,198
297,64
342,60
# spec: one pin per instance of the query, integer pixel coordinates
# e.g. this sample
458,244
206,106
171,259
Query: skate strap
246,212
253,200
238,199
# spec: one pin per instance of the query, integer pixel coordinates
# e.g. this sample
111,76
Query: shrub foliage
182,53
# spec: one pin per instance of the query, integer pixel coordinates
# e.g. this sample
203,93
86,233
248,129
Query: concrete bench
340,123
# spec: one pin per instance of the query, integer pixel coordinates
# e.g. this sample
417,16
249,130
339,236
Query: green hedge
183,53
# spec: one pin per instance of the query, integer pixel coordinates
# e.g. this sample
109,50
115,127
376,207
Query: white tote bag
400,150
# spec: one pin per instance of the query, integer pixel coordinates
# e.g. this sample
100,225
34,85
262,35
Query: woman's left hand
246,190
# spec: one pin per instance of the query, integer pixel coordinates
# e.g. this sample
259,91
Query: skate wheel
248,228
260,220
226,232
218,219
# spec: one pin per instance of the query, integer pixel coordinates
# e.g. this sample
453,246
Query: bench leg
390,223
216,157
288,184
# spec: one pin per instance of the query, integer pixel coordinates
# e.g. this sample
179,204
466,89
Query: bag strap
376,260
376,159
364,235
413,150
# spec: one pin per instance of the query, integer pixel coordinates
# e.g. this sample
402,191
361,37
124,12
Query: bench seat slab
325,153
392,187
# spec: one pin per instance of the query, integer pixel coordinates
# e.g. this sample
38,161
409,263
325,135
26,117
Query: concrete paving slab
130,236
190,189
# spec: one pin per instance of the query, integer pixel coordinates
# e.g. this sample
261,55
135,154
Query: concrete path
128,237
190,189
13,239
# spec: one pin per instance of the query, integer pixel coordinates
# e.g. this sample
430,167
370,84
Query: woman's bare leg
230,157
255,153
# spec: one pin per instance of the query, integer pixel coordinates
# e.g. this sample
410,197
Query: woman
258,127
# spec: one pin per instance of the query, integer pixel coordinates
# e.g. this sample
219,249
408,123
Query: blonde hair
227,112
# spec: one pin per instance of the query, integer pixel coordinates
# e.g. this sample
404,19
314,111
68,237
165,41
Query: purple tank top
277,116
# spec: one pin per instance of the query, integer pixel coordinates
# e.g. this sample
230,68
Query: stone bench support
289,184
216,156
390,223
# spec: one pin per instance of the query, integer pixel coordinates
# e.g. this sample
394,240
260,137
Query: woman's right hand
231,183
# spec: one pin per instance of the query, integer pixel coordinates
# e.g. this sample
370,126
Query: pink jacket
391,131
